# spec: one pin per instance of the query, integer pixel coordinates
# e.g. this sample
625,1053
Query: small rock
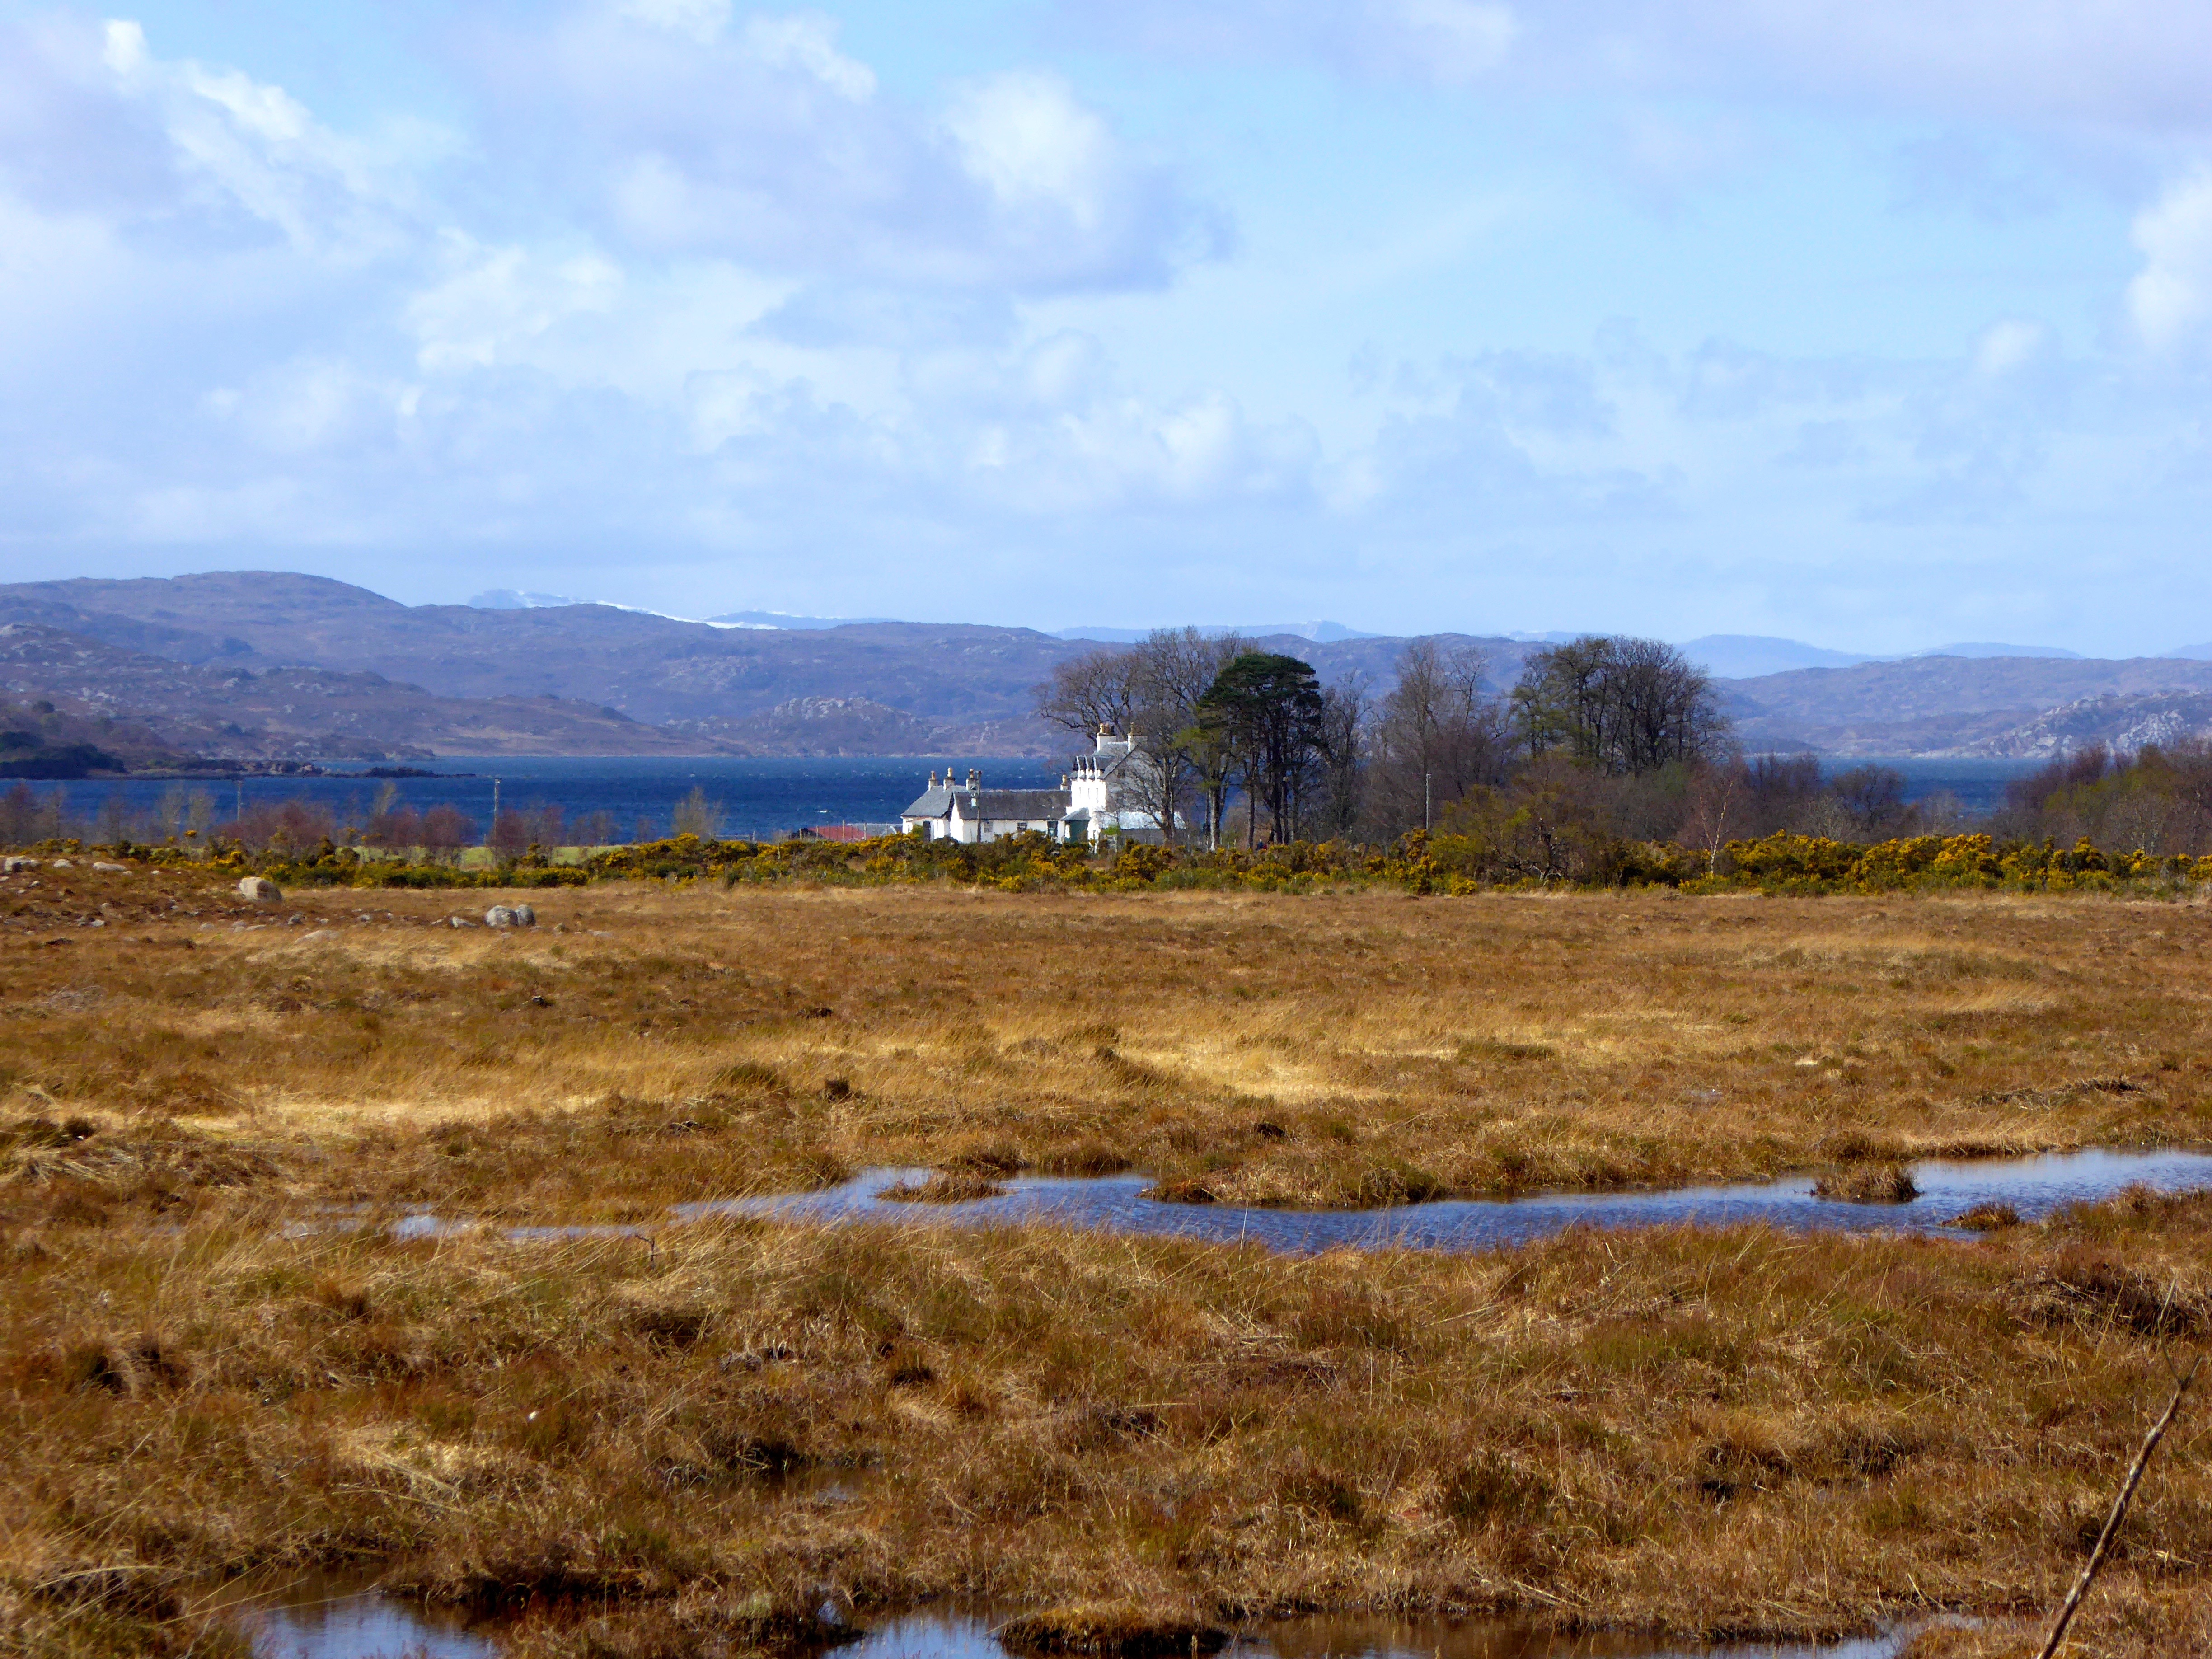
524,916
112,869
259,888
461,922
501,916
64,863
11,866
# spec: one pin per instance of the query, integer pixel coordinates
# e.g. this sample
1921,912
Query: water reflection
2034,1187
321,1617
938,1636
334,1621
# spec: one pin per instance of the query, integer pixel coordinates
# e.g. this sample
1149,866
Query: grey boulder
259,888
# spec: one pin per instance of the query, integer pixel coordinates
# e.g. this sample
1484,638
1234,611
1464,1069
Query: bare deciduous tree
1099,688
1174,669
1435,736
1627,705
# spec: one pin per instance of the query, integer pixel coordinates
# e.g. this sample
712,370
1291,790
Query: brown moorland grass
1868,1184
1702,1432
648,1043
1705,1433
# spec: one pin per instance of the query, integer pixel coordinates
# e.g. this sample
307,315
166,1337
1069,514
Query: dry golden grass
1344,1049
1704,1432
1868,1184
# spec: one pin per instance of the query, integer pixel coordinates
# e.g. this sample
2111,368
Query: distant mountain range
245,665
1319,633
1746,656
2126,722
1948,705
1726,656
227,710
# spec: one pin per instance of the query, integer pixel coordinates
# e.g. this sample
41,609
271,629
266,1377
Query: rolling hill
268,662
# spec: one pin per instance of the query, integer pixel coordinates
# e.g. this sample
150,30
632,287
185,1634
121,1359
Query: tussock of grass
1987,1217
1120,1630
1868,1184
947,1186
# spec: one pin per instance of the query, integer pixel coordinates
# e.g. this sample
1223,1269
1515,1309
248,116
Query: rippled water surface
2033,1186
938,1636
318,1617
314,1620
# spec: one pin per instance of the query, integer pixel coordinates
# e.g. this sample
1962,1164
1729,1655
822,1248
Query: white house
951,813
1108,792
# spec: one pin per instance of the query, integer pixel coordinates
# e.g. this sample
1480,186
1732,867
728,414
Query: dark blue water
759,797
1978,784
2033,1186
321,1616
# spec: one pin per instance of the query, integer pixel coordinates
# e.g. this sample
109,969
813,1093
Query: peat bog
701,1441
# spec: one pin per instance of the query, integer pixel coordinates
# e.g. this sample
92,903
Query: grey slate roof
998,804
932,803
1003,804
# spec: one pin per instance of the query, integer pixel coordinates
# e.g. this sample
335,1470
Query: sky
1863,322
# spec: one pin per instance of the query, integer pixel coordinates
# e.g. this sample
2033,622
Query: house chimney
975,778
933,777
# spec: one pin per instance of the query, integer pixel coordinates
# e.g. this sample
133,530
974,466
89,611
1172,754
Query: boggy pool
334,1619
2034,1187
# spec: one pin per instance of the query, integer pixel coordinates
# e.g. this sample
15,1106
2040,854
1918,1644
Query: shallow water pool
2033,1186
329,1619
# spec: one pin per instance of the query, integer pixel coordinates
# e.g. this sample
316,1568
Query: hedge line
1781,863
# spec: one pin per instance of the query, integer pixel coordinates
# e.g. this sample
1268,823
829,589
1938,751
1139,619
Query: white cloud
808,42
2170,298
768,145
2010,345
237,144
1025,135
699,287
1446,40
700,20
2145,63
2138,63
312,404
494,300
